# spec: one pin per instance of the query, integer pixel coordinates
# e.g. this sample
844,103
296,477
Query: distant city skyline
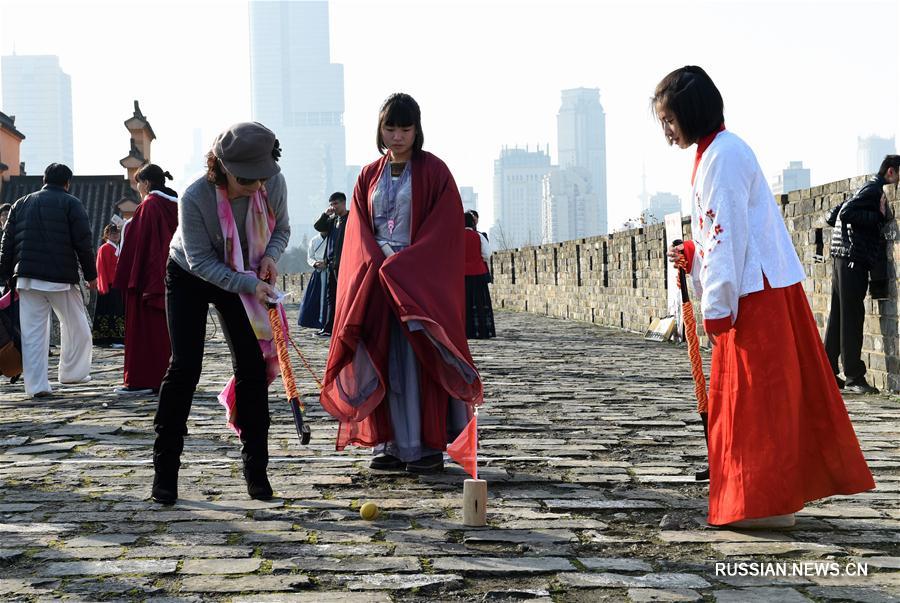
498,89
38,93
299,93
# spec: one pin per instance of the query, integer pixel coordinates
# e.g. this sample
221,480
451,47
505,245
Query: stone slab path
589,444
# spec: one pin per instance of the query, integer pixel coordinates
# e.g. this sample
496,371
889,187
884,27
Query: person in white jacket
314,309
779,434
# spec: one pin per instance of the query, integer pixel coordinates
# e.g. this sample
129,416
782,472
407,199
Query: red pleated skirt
779,433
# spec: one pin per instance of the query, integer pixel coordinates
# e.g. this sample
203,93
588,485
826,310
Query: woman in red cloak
141,275
400,376
779,434
109,313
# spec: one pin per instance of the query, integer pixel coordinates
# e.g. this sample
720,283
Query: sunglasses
249,181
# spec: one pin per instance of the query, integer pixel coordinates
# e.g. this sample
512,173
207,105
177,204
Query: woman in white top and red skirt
779,434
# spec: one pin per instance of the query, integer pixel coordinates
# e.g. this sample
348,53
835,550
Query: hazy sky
801,80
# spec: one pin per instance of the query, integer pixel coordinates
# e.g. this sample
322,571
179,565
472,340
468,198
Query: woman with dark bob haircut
779,435
400,377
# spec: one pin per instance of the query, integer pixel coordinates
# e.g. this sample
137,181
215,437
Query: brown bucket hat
248,150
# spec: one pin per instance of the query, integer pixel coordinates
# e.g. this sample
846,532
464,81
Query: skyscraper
299,93
469,198
567,204
518,191
39,94
870,152
793,177
581,137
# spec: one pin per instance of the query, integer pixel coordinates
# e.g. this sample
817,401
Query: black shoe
860,387
166,462
323,334
702,476
165,484
386,462
433,463
840,382
258,486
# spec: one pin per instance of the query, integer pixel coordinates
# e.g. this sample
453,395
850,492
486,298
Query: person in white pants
45,249
36,299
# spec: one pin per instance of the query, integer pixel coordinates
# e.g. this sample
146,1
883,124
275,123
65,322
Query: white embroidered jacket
738,231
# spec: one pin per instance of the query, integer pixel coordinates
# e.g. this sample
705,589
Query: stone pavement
589,444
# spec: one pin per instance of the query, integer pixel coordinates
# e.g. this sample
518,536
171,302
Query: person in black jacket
331,224
856,245
45,240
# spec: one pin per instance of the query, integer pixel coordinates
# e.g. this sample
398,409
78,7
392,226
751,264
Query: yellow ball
369,511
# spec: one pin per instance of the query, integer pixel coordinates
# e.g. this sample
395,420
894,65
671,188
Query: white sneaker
87,379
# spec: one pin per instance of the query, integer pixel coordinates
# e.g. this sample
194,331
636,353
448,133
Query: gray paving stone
398,582
103,568
852,594
776,549
649,595
520,536
613,564
601,505
220,566
199,551
348,564
317,597
95,540
37,528
86,552
609,580
760,595
8,555
502,565
242,584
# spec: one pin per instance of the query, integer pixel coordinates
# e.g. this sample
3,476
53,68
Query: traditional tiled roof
9,124
100,194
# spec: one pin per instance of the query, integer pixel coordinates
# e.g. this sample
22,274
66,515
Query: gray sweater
198,245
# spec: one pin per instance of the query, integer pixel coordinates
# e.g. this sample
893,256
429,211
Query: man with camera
331,223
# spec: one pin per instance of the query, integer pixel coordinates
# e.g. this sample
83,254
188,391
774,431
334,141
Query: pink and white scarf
259,224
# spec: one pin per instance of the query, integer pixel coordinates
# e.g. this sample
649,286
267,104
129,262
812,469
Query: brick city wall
619,280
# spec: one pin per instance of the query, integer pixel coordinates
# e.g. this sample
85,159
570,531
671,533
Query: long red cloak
106,267
424,283
141,275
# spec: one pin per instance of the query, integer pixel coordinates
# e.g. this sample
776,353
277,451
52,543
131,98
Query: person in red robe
141,276
400,376
779,433
109,312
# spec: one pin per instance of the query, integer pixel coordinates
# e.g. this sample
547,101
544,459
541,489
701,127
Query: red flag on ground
464,449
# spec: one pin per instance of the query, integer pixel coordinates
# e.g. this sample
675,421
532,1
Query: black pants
187,304
844,333
331,299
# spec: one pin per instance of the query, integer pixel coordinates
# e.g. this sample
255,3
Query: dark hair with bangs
691,95
400,110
